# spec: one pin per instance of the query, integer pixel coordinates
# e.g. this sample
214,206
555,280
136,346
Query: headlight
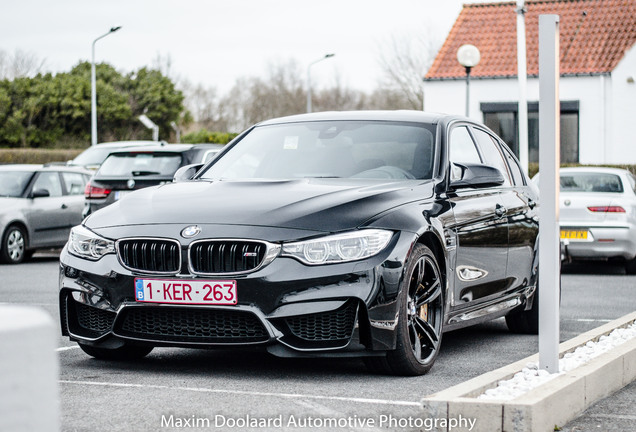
86,244
340,247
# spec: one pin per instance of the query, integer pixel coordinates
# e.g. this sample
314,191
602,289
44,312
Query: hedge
36,156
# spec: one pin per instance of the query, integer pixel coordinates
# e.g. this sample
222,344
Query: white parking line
66,348
247,393
587,320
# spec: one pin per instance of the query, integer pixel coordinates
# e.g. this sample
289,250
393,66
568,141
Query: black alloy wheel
419,327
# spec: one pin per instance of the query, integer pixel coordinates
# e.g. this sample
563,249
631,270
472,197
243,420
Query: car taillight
607,209
91,191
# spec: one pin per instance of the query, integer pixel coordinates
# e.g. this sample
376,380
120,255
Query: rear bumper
604,243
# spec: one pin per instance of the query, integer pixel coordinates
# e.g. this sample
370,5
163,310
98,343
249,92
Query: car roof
130,143
47,167
167,148
379,115
593,169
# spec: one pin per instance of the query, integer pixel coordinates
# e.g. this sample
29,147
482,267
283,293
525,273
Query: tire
126,352
13,245
525,321
630,267
420,319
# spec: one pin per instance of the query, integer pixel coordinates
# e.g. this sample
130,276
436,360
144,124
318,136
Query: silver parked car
598,214
38,206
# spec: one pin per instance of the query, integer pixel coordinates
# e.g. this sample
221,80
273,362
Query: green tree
155,95
45,109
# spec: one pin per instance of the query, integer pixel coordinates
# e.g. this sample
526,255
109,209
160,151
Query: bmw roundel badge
190,231
130,183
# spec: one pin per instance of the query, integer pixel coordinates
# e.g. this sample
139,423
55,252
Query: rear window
140,164
591,182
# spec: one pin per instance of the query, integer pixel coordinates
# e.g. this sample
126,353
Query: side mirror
475,176
39,193
186,173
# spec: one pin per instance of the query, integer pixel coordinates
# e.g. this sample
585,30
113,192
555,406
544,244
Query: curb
554,403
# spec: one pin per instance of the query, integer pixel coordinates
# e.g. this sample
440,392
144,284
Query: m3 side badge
190,231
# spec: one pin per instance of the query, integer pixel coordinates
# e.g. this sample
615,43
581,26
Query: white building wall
607,107
622,124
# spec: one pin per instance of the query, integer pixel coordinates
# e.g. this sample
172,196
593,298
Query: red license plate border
227,289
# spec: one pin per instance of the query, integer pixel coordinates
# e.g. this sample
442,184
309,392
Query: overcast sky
214,42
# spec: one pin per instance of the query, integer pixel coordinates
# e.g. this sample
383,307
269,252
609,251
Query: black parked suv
135,168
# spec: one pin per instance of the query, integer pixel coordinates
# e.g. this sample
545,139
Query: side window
515,169
632,181
490,151
49,181
74,183
462,147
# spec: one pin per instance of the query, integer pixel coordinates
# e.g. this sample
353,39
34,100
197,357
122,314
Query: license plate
574,234
210,292
120,194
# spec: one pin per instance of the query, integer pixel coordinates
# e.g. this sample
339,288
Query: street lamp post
468,56
326,56
94,89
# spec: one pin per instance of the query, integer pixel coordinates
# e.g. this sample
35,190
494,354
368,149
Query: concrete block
603,376
481,415
435,408
552,404
629,361
29,399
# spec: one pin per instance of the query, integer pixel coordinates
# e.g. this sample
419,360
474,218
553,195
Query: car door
523,222
481,230
518,204
74,183
46,215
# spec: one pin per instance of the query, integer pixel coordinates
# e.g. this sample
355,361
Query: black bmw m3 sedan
365,234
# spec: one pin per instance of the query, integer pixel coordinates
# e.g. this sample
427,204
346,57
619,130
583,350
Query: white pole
94,89
522,75
326,56
549,159
467,91
93,98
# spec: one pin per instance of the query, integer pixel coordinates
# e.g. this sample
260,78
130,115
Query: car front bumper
291,308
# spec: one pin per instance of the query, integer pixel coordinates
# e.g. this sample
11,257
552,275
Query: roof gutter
564,75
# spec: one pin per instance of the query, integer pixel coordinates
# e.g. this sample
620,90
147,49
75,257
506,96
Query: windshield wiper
144,173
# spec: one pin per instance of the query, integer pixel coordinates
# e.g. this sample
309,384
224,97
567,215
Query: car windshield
13,183
327,149
591,182
140,164
92,156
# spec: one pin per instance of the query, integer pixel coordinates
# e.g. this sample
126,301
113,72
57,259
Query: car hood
312,204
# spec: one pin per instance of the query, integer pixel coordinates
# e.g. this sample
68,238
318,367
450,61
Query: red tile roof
594,37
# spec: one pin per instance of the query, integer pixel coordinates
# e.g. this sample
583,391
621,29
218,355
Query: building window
502,119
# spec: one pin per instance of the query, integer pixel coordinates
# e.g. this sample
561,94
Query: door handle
64,206
500,210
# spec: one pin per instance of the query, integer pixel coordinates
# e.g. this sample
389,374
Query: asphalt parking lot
173,388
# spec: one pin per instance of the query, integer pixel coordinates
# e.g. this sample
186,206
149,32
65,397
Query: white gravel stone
531,377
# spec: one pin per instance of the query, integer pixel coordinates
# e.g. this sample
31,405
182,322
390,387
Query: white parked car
598,214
